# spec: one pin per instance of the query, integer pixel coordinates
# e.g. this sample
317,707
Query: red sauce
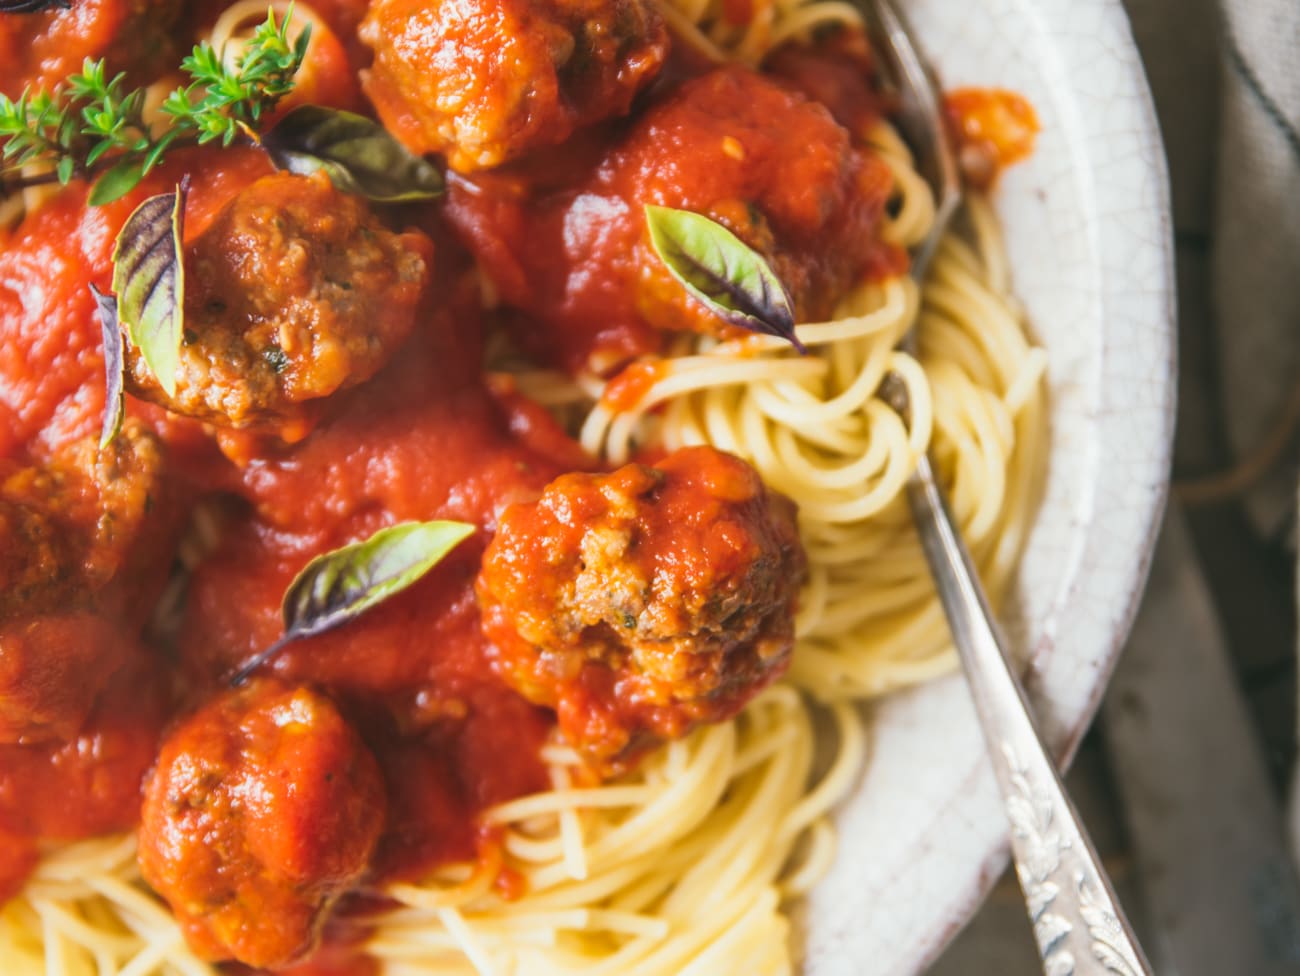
424,440
992,129
626,390
779,172
737,12
840,73
90,784
326,77
51,359
40,50
453,719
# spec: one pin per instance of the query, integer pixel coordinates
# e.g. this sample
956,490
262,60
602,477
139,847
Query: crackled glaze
1088,230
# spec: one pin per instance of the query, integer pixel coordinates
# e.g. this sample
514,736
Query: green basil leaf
357,153
149,278
114,365
116,182
339,586
722,271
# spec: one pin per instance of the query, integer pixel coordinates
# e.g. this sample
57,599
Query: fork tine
920,120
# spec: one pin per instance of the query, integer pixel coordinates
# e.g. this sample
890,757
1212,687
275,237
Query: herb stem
243,674
93,124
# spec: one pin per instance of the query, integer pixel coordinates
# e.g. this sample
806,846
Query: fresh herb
149,279
341,585
715,266
114,367
357,153
92,125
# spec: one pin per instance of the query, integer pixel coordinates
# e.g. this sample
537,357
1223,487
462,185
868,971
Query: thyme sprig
92,126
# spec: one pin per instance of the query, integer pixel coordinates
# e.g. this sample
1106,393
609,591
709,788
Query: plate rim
1147,143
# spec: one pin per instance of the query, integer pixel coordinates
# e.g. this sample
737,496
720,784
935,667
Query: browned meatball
83,546
294,292
264,808
640,602
738,147
68,527
484,81
41,49
52,670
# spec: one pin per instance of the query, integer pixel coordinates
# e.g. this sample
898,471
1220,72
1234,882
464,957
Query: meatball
641,602
69,527
838,71
89,784
265,806
761,159
484,81
52,670
41,49
82,554
295,291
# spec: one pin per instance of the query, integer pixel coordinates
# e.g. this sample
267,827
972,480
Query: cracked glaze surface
1088,231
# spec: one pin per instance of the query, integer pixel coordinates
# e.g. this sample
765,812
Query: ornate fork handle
1077,919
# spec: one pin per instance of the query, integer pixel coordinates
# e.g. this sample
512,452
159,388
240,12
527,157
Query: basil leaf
357,153
120,180
722,271
339,586
114,365
149,278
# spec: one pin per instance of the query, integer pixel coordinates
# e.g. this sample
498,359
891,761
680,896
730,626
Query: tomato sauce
446,702
625,391
90,784
992,128
576,260
41,49
51,358
424,440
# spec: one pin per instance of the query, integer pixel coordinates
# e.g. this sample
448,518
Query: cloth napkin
1256,252
1233,139
1226,80
1199,799
1256,246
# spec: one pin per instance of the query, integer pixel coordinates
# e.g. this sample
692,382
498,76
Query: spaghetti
683,865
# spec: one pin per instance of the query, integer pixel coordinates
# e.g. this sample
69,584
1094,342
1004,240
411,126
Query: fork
1078,923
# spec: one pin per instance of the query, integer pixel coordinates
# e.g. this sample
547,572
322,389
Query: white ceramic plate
1088,230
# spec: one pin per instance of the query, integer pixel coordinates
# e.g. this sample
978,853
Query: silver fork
1078,922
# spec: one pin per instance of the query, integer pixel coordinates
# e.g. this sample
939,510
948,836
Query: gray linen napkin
1257,248
1256,254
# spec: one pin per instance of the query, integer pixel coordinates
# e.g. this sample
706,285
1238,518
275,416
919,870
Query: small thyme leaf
116,183
339,586
149,278
722,271
114,367
90,121
357,153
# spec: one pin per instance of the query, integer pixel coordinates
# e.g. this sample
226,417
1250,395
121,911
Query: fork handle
1078,922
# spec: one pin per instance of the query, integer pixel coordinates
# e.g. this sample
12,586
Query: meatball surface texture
294,292
264,808
745,150
642,602
39,50
484,81
83,551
